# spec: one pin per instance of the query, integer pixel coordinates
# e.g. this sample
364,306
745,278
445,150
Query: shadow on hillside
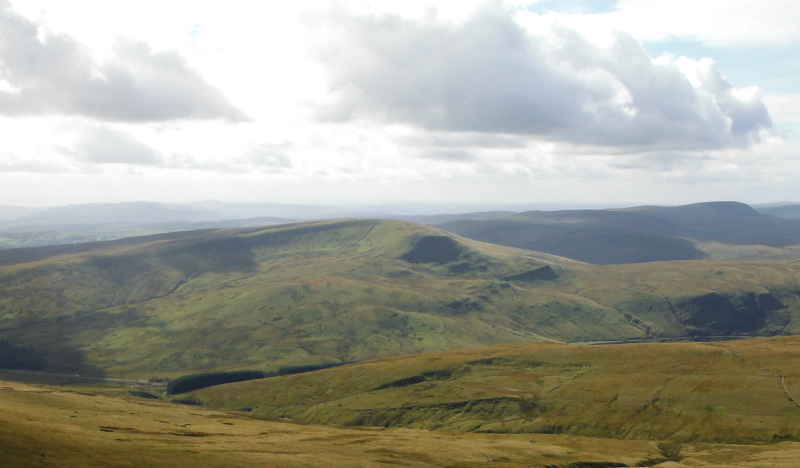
54,338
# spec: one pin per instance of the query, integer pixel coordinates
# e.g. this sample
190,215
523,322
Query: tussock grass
51,426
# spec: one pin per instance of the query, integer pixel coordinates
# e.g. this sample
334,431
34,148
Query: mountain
108,221
632,235
350,290
788,210
384,211
731,222
33,227
8,212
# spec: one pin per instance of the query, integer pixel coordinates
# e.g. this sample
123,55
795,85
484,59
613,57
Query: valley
445,351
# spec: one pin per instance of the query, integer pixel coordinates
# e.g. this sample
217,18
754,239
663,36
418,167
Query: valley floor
42,425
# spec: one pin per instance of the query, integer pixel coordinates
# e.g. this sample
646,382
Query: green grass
337,291
724,392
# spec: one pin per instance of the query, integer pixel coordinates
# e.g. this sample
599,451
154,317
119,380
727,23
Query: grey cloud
449,155
465,140
59,76
106,146
488,75
663,161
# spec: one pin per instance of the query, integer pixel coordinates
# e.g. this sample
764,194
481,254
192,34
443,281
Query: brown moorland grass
44,426
727,392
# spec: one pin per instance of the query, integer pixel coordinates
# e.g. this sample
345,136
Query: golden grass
49,426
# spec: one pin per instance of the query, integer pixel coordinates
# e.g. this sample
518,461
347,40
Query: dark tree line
20,357
192,382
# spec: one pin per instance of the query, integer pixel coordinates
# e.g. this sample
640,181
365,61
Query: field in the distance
42,426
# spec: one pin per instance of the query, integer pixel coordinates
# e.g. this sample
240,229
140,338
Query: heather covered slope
731,392
352,290
641,234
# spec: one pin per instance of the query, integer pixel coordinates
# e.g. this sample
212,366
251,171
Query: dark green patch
143,394
434,249
589,464
545,273
462,307
424,377
716,314
20,357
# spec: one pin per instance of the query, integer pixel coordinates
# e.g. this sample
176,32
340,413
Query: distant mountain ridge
600,236
786,210
632,235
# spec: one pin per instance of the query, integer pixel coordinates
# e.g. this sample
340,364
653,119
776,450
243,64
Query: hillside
351,290
634,235
722,392
788,211
101,427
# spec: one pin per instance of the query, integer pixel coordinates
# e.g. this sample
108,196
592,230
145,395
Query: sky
343,102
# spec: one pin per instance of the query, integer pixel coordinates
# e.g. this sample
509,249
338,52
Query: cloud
729,22
784,107
455,155
662,161
11,163
106,146
54,74
269,155
488,74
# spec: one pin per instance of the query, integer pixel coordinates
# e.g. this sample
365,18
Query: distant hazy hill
129,213
788,211
726,222
8,212
107,221
352,290
632,235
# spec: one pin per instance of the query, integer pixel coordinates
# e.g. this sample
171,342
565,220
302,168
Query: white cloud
784,107
424,100
738,22
53,73
106,146
489,75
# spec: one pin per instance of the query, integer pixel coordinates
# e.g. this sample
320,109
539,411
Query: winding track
763,369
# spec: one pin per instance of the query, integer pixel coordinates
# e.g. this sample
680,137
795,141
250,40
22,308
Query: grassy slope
81,427
339,290
788,254
698,392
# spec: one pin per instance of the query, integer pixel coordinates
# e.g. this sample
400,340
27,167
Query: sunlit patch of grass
694,392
